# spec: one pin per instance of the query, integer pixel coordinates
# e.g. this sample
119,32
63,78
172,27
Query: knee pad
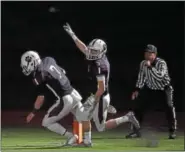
79,113
46,122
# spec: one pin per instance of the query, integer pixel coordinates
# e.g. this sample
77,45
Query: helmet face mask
29,62
93,54
26,71
96,49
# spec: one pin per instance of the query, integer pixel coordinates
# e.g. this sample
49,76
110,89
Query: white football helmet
29,62
96,49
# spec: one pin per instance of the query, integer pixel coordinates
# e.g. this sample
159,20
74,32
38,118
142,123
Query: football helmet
96,49
29,62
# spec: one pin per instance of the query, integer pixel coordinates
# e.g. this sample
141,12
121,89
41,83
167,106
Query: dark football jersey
49,75
98,69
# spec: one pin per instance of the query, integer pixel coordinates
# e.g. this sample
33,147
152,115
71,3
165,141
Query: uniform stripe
52,90
57,107
36,82
155,78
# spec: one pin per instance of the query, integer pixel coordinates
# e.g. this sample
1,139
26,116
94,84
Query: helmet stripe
94,41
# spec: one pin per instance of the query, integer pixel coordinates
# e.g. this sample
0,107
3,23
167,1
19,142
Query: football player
47,74
99,67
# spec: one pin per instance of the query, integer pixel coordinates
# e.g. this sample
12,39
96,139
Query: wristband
34,110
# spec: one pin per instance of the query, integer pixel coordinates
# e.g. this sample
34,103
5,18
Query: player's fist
68,29
30,117
135,95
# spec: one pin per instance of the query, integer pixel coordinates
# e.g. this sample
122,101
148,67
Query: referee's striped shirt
155,77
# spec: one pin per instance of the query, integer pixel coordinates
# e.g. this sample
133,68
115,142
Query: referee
153,81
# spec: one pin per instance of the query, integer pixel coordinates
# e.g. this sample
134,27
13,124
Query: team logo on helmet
28,59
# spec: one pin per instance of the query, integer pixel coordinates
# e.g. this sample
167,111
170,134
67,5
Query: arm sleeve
40,89
39,82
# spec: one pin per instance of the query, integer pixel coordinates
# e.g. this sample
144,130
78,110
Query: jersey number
54,69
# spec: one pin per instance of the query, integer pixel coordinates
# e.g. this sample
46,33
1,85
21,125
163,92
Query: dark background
127,27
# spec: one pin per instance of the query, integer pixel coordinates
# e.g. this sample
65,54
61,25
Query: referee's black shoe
172,135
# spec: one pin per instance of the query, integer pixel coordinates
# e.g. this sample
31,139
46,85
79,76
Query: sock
116,122
87,137
57,128
121,120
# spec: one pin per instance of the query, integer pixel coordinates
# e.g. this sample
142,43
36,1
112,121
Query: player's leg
56,113
100,112
82,116
81,112
170,112
87,133
129,117
100,116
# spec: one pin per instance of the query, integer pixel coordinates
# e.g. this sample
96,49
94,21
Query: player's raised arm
77,41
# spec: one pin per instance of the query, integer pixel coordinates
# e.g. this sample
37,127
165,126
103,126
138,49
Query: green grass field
39,139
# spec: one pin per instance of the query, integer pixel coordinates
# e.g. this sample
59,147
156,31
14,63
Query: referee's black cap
151,48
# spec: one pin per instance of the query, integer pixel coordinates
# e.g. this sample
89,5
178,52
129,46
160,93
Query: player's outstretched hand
68,29
30,117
